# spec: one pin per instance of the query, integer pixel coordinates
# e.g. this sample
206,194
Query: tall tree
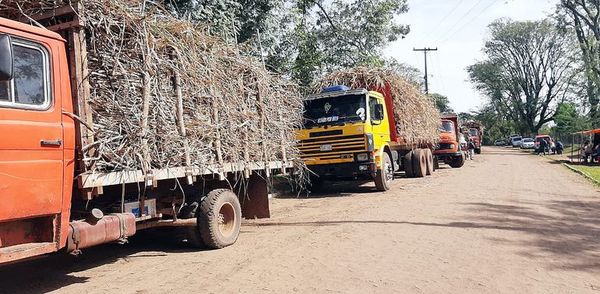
527,71
584,17
441,102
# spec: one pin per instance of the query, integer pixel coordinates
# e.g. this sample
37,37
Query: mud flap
255,198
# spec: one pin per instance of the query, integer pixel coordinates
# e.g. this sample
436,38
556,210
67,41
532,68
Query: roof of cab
29,29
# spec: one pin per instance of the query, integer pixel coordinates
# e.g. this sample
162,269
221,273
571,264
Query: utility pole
425,50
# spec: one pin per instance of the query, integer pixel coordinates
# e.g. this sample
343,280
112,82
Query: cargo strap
123,229
76,237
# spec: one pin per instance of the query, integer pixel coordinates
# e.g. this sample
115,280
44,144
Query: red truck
46,189
449,149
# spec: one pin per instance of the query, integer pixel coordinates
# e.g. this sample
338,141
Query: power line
468,22
459,20
425,50
445,17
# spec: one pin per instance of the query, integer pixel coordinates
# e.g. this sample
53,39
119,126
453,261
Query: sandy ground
507,222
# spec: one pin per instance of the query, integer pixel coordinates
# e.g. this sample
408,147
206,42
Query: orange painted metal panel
34,179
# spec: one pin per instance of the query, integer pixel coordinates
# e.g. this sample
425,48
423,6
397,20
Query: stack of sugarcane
417,118
164,93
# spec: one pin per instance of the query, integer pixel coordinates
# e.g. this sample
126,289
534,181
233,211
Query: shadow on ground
567,232
58,270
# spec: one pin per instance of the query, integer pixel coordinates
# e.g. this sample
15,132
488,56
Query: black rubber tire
477,150
208,232
407,164
457,162
385,175
429,157
419,163
315,185
436,163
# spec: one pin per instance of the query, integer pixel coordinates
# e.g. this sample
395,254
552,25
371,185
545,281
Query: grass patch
592,171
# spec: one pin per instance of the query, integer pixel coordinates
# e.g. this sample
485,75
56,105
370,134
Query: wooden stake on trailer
180,121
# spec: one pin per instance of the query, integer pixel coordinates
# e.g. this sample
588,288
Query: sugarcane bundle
417,118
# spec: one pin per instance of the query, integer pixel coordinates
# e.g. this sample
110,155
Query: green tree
569,120
527,72
584,17
442,103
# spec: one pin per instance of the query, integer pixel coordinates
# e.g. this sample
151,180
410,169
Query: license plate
326,147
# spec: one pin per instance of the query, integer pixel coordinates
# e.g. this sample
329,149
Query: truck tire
429,157
457,161
219,218
419,163
407,160
385,175
436,163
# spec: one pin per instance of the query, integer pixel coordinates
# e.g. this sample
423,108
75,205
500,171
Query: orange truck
449,149
46,191
474,130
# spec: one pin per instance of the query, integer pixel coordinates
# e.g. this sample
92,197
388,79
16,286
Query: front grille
325,133
444,146
341,146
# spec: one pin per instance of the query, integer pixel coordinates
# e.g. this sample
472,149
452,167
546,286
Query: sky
458,28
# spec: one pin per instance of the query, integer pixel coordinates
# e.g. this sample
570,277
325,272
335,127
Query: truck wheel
457,161
385,175
429,157
477,150
436,163
419,163
407,164
219,219
314,185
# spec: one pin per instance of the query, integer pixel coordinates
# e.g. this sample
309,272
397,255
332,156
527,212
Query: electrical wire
468,22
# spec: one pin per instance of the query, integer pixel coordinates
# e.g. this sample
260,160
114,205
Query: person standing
543,146
471,149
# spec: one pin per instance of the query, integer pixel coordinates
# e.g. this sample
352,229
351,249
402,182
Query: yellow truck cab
349,134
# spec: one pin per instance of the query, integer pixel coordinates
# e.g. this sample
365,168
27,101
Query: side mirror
6,58
378,111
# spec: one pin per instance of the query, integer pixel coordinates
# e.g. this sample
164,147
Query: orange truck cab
449,149
50,202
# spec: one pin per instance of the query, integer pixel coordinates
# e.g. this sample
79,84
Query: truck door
31,146
380,128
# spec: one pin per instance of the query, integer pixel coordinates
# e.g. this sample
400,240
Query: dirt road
507,222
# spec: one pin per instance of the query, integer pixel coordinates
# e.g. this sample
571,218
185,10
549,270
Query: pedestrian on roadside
559,147
471,149
587,150
543,147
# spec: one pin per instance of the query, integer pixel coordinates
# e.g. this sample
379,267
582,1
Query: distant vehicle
509,140
527,143
516,141
499,142
539,138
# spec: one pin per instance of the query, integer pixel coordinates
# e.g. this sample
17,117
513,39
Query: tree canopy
527,72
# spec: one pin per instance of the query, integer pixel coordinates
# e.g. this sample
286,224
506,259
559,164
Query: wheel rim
389,173
226,219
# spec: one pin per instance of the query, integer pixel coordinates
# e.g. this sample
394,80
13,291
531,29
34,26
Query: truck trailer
52,200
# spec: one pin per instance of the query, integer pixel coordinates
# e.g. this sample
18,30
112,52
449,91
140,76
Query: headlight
451,146
362,157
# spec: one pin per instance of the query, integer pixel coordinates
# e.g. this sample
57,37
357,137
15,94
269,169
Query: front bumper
447,155
345,171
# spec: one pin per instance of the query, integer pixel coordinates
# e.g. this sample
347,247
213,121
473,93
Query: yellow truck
350,134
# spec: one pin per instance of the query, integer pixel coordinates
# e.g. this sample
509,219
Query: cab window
29,87
372,102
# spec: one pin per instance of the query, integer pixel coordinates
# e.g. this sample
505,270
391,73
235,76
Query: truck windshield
447,127
473,132
334,110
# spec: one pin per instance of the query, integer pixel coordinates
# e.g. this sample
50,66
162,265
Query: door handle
51,143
